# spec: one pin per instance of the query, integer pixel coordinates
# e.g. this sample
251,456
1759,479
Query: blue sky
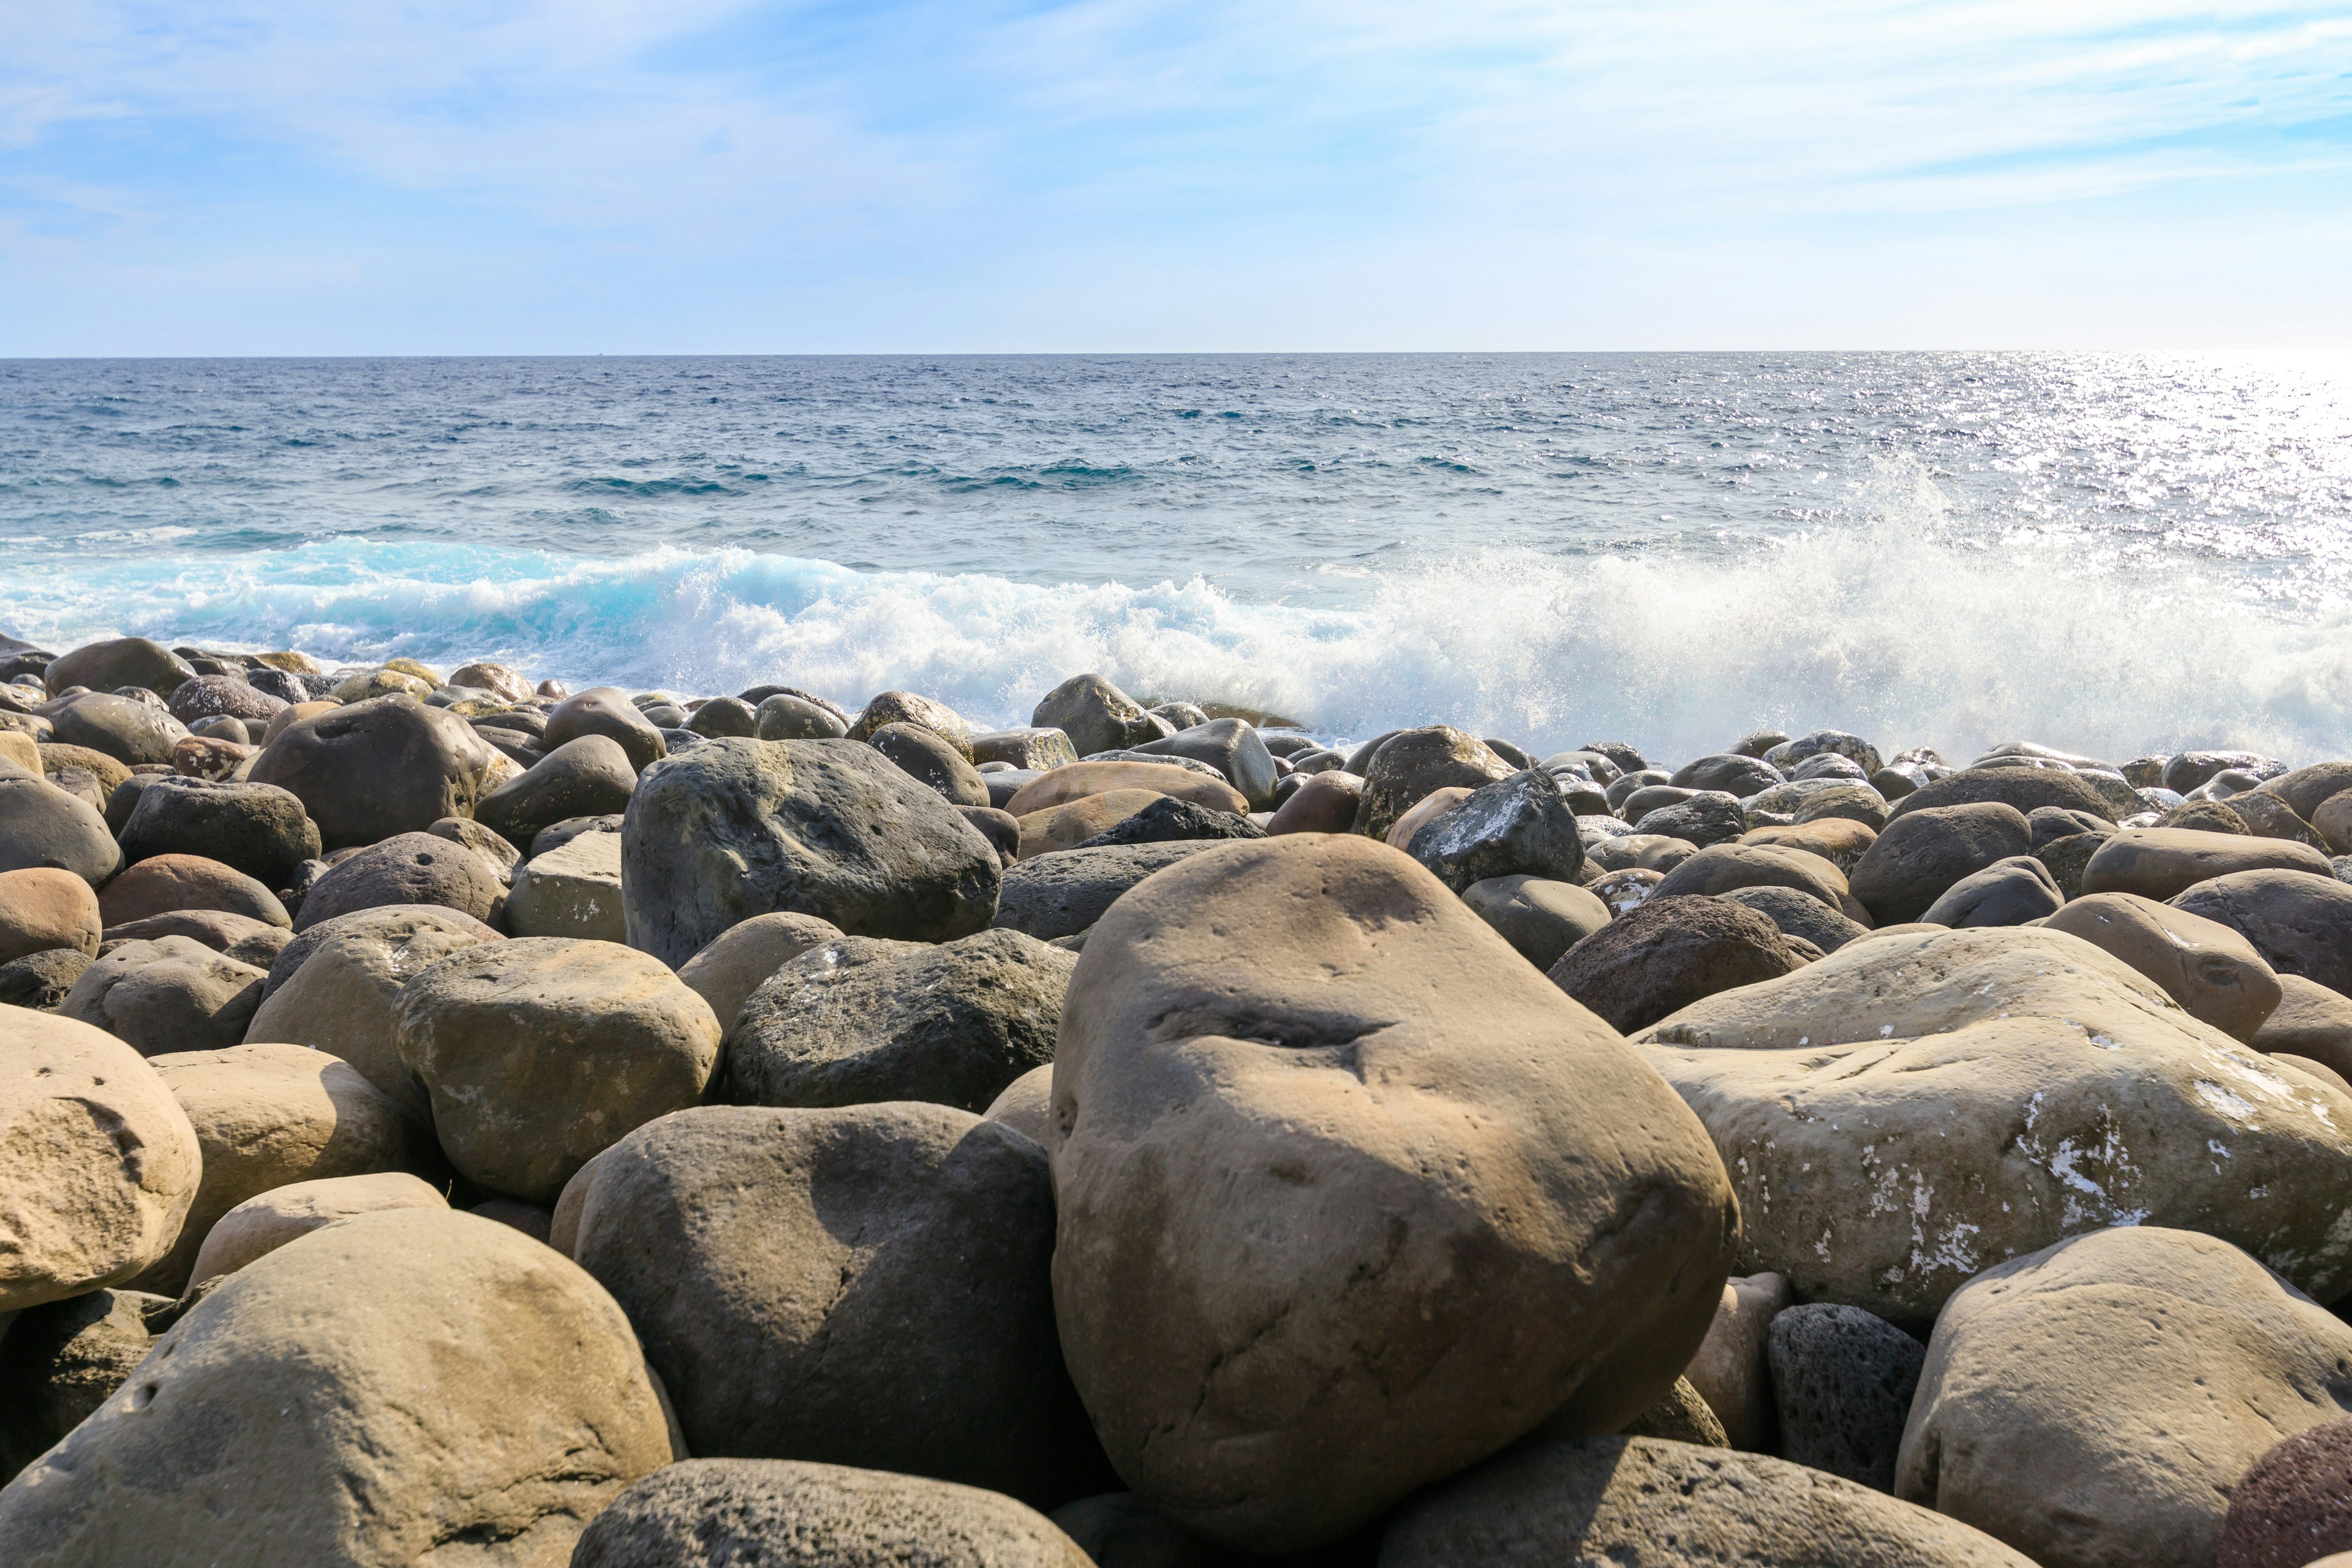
263,176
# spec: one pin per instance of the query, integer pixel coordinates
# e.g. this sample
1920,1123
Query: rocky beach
451,1119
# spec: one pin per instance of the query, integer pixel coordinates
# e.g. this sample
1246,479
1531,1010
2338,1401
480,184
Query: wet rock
1250,994
570,891
1915,1108
1702,819
2005,893
277,1215
169,994
1096,715
607,710
1923,852
102,1164
1798,914
2300,923
1842,1387
409,868
1424,812
1035,748
1731,1371
784,717
129,731
776,1513
2186,771
258,829
123,661
856,1021
42,980
1521,825
1080,780
1650,1503
1541,918
369,770
862,1284
831,828
2211,970
42,907
1729,773
538,1053
2096,1402
41,824
481,1388
930,757
164,883
1667,953
1063,893
590,776
1413,763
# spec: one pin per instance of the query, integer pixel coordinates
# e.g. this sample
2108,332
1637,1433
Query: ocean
2110,553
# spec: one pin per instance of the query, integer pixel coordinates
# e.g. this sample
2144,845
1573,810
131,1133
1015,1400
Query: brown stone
42,907
1413,763
2212,971
1668,954
1077,780
2160,862
164,883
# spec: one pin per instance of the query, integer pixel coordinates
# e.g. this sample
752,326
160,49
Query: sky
528,176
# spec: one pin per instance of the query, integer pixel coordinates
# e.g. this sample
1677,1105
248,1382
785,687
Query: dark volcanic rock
258,828
1843,1381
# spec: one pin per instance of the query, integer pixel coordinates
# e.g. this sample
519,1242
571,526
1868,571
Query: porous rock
407,869
1841,1386
42,980
1709,818
1799,915
1167,820
2294,1504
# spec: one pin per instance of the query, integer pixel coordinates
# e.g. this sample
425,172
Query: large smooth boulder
2160,862
258,828
573,891
830,829
2212,971
1233,748
2025,790
2005,893
2310,1021
102,1164
858,1020
607,710
589,776
173,994
1096,715
1521,825
164,883
407,869
1085,819
43,908
1642,1503
336,987
783,1513
130,731
1076,781
1541,917
1063,893
2093,1403
1325,802
121,661
1920,854
269,1219
369,769
265,1115
865,1285
409,1387
930,757
1413,763
2300,923
539,1052
41,824
1668,954
1915,1108
741,958
1378,1199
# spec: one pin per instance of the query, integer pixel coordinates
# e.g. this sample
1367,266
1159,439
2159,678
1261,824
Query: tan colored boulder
740,960
2159,862
1412,763
335,989
412,1387
1424,812
101,1163
173,994
1071,824
1325,802
537,1052
268,1115
1378,1198
1027,1104
2332,822
163,883
1729,1371
269,1220
287,718
1724,868
2094,1404
2311,1020
1075,781
42,907
2212,971
1913,1110
573,890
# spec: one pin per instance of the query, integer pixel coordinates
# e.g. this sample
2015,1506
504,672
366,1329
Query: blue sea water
2113,554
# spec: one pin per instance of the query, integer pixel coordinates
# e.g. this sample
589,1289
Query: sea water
2110,553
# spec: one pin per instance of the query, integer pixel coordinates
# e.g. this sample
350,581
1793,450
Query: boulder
2268,817
265,1115
1823,742
164,883
1035,748
239,937
1424,812
60,764
1721,868
131,732
554,838
2294,1503
2299,922
2186,771
1079,821
2159,862
503,681
408,1388
269,1219
1667,953
741,958
1233,748
590,776
605,711
499,854
1732,1370
170,995
1517,826
537,1052
102,1164
1264,1054
256,828
724,716
1642,1503
1078,779
573,891
831,828
786,716
2094,1402
1062,894
2310,1021
42,980
41,824
1539,918
1916,1108
370,769
2005,893
2067,859
211,696
407,869
2212,971
1652,853
2305,790
1921,853
1729,772
43,908
1799,915
783,1513
1026,1105
862,1284
121,661
1325,802
1096,715
336,987
1841,1386
1167,820
930,758
1859,804
1704,819
911,707
1413,763
2020,789
59,1361
855,1021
